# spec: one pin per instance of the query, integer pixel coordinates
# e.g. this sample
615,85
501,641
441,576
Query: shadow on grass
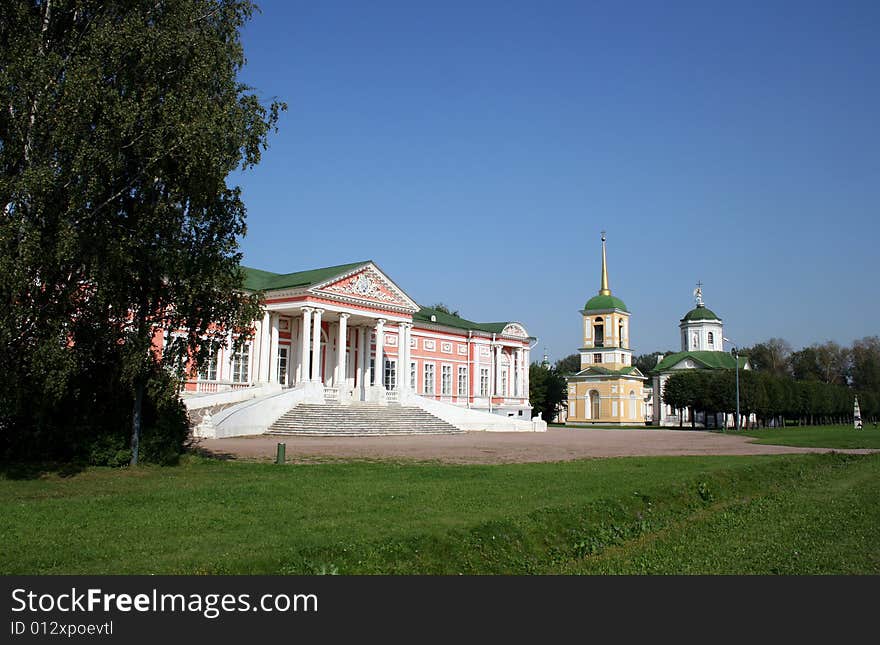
35,470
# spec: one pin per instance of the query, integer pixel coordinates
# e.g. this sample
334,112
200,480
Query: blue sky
475,150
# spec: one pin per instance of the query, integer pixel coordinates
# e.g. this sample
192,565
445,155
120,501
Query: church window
599,335
696,341
597,358
711,339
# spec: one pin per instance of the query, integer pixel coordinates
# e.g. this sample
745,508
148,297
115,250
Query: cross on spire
698,293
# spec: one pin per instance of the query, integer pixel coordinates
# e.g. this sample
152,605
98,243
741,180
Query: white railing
211,387
392,396
331,393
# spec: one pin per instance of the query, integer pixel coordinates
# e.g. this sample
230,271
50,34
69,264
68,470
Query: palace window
209,369
503,391
241,364
412,376
462,381
282,365
484,381
390,378
446,379
429,378
597,358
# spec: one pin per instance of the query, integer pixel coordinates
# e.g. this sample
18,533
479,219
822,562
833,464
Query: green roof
449,320
599,303
257,280
700,313
706,360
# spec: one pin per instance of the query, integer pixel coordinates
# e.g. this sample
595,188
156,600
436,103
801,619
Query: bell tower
606,327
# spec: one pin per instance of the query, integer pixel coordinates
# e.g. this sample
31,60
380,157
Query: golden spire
604,291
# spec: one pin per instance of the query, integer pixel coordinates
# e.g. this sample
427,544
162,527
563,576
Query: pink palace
348,333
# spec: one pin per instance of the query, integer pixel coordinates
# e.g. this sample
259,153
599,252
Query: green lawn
841,436
379,517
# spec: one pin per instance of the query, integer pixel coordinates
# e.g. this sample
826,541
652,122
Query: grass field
840,436
797,514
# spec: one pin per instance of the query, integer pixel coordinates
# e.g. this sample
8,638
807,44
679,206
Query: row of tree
816,384
774,400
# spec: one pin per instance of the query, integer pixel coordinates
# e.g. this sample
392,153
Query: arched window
599,333
620,333
696,343
632,404
711,339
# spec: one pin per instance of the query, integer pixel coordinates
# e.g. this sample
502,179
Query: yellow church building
608,390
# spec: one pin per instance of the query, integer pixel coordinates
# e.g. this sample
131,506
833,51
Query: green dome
604,302
700,313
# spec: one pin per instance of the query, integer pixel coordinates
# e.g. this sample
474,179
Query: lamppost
735,353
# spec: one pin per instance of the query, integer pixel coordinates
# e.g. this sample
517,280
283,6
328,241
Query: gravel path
557,444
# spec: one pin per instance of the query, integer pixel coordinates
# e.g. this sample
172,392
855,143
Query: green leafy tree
772,356
647,362
121,124
569,365
547,390
866,364
445,309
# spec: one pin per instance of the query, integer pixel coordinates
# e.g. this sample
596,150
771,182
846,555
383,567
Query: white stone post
306,342
316,346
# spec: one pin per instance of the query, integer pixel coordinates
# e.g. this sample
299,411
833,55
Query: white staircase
359,420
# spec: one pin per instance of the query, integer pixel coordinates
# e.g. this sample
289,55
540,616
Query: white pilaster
306,342
498,391
316,345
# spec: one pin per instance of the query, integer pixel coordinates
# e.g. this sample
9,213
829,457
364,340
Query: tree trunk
136,421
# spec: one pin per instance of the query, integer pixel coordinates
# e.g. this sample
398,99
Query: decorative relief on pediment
515,330
366,285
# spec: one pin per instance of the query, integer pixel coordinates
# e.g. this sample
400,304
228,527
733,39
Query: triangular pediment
366,285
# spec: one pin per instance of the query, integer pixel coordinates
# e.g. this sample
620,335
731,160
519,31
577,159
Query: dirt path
556,444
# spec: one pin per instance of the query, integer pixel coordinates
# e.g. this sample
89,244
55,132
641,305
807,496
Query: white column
340,350
264,348
475,377
227,367
316,345
380,348
498,391
526,365
295,351
273,351
306,342
362,352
